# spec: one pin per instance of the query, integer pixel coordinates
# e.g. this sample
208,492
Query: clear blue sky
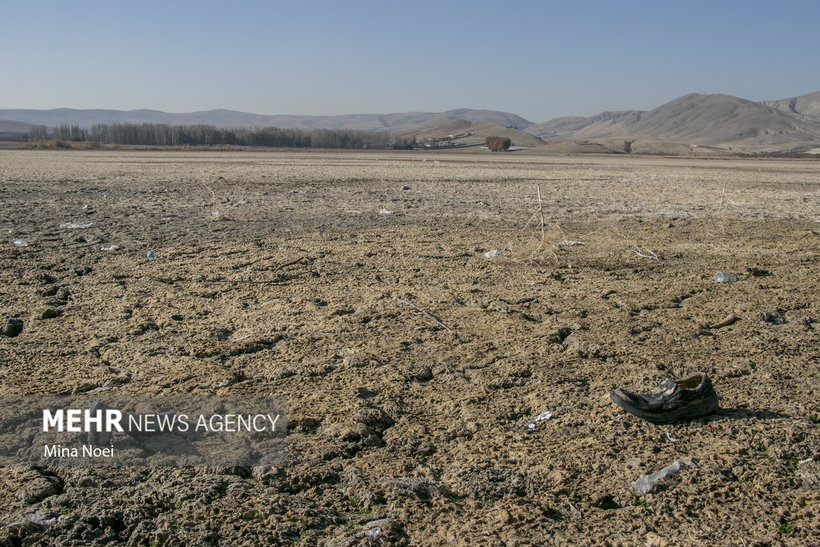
538,59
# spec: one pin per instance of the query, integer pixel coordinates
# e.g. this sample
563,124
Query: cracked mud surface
276,274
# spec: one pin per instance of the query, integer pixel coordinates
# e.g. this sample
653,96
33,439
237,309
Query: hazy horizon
537,60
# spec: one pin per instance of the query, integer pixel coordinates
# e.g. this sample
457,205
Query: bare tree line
155,134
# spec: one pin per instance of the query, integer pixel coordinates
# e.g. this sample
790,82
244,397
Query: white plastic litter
372,533
386,211
108,384
807,460
110,248
569,243
216,214
669,437
646,483
76,226
494,253
721,277
546,415
20,243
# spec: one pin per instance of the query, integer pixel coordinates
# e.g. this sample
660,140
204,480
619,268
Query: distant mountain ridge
229,119
721,122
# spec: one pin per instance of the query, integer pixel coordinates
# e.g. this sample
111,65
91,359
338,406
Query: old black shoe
671,401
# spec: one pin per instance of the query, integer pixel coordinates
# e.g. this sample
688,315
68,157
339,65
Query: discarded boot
671,401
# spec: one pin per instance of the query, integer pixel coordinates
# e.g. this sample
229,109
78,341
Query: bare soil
277,274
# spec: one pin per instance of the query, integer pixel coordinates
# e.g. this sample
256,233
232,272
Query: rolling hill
442,131
720,121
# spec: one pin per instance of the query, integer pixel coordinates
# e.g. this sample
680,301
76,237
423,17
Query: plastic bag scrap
546,415
386,211
76,225
646,483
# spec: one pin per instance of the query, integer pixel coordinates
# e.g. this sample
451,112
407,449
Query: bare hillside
466,133
566,127
710,119
804,105
705,120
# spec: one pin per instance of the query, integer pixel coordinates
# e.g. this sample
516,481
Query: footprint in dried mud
12,328
36,485
50,313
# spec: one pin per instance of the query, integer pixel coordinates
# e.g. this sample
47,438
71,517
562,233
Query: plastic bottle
721,277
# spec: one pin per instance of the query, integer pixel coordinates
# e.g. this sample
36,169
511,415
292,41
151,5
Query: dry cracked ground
416,311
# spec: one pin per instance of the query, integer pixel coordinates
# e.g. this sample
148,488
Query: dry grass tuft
544,242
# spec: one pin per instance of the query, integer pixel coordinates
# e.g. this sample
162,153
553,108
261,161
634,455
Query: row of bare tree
155,134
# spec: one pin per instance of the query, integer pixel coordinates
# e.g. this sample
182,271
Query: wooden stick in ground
426,314
728,320
541,213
